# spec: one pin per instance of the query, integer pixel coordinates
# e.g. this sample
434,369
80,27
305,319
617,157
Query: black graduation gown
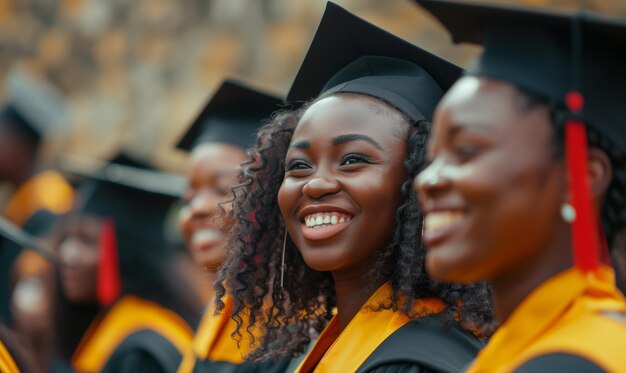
423,346
144,351
205,366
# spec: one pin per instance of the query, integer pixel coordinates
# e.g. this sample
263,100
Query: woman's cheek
184,217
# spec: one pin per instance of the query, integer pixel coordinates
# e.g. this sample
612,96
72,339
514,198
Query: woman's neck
352,290
518,282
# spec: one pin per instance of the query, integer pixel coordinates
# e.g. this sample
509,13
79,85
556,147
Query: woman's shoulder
425,345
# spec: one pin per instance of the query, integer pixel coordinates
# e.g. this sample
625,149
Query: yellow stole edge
128,315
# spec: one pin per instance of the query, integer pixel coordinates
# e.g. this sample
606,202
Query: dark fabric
144,351
351,55
8,253
231,116
532,48
224,367
400,368
425,345
559,363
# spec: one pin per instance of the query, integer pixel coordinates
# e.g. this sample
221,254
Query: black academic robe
423,346
144,351
248,367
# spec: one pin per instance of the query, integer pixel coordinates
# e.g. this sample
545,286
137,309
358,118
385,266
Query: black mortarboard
534,48
34,108
577,61
233,115
131,192
16,235
349,54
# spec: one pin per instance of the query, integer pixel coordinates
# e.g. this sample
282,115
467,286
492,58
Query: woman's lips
206,238
323,225
439,225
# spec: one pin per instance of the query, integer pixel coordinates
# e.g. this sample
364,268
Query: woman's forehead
349,113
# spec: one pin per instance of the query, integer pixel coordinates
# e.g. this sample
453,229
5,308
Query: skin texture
213,167
494,166
360,178
78,259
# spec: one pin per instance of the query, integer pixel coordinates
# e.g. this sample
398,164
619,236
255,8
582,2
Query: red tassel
585,233
109,281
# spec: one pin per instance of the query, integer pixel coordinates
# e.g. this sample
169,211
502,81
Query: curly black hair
283,320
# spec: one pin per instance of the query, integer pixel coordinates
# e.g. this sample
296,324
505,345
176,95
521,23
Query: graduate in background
14,358
346,230
33,112
121,308
217,142
528,150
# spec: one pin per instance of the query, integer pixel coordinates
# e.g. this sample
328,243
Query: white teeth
320,220
441,220
206,234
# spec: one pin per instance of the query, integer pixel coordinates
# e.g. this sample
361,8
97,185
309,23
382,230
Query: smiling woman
521,166
218,140
345,234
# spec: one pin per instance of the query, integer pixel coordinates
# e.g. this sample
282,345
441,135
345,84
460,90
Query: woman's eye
467,151
297,164
354,158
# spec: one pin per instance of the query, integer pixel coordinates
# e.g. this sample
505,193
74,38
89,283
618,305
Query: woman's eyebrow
342,139
300,144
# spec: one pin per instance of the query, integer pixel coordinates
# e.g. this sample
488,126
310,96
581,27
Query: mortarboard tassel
585,232
585,237
109,282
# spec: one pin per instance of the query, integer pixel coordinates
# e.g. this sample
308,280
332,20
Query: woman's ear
600,174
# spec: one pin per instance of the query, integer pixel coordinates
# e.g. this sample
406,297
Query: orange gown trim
213,340
7,364
46,190
336,351
128,315
566,314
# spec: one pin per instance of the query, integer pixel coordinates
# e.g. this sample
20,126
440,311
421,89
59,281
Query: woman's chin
446,269
320,264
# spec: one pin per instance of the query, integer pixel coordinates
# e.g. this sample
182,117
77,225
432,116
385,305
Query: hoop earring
568,213
282,262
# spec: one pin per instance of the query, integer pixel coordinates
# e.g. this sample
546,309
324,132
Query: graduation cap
133,199
350,55
577,61
16,235
34,108
233,115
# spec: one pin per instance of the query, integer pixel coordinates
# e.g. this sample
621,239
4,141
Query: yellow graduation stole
7,364
213,340
569,313
46,190
336,351
128,315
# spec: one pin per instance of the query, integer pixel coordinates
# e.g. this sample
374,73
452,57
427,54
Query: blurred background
133,73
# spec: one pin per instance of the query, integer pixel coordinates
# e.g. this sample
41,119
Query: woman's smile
324,225
440,225
344,171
